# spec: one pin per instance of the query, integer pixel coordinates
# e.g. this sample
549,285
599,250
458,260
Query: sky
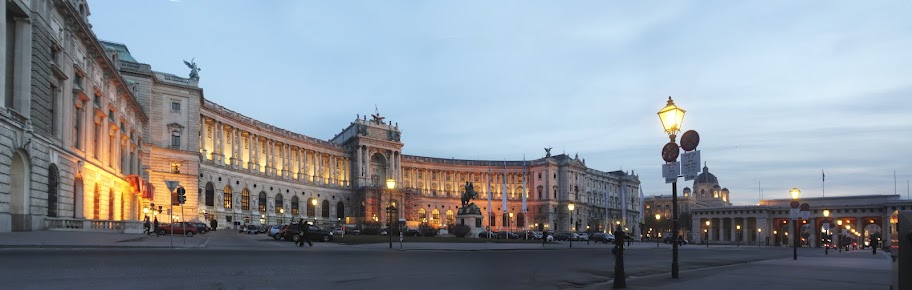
779,91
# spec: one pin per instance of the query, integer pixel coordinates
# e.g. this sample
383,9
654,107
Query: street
262,263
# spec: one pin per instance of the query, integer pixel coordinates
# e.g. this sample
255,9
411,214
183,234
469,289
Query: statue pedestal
474,221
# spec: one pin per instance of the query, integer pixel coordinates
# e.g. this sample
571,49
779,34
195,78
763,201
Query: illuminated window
422,215
450,217
175,167
435,217
227,198
245,199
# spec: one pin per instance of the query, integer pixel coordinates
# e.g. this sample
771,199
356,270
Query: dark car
315,233
203,228
250,229
411,233
667,240
486,235
602,237
562,236
507,235
179,228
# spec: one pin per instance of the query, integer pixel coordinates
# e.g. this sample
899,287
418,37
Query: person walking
544,238
155,226
146,226
303,228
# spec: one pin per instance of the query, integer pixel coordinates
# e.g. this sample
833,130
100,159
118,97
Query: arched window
53,178
450,217
340,210
554,190
520,220
210,194
311,208
435,217
261,202
279,204
96,203
422,215
245,199
226,200
111,204
492,220
540,189
325,208
702,193
294,205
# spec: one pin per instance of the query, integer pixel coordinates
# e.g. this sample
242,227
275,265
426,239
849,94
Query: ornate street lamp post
826,246
672,117
707,233
838,237
738,227
795,194
571,207
390,210
758,236
658,230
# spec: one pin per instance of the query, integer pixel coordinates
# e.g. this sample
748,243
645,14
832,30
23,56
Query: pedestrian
155,226
146,225
628,239
214,224
303,228
544,238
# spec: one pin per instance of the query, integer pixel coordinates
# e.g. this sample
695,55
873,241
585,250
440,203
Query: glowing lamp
672,118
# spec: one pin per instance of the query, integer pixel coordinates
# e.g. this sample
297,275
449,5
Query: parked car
274,230
262,229
507,235
250,229
412,233
602,237
583,236
562,236
574,236
179,228
486,234
667,240
338,231
315,233
203,228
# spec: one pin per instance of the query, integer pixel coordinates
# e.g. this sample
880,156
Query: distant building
706,193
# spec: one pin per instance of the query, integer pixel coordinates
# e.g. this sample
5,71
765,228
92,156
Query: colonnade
228,145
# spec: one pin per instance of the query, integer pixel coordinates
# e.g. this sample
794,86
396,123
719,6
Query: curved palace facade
90,135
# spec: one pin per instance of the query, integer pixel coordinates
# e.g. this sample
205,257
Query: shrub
461,231
371,228
427,230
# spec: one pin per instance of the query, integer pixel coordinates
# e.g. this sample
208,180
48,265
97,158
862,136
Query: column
3,95
358,170
300,165
202,137
253,162
218,142
318,164
859,226
812,239
332,169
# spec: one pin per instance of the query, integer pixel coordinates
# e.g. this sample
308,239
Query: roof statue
194,69
377,118
548,152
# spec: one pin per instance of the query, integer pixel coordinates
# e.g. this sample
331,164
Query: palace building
89,134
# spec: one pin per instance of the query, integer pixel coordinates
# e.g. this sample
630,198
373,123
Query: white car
583,236
273,231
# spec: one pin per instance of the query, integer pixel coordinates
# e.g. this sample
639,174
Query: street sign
805,207
671,171
670,152
805,214
690,140
794,204
793,213
690,164
172,184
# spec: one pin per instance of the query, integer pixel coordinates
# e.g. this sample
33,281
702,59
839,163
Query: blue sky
779,90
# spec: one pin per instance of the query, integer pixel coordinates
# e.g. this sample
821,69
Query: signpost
690,164
671,171
175,187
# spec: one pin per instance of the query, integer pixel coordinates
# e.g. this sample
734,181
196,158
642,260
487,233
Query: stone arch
227,201
340,210
311,208
422,215
96,203
77,197
20,183
210,194
111,198
378,167
53,190
279,204
324,208
245,199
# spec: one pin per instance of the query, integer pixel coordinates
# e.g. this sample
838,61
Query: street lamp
738,227
758,236
826,247
510,224
707,233
672,117
795,192
313,201
390,184
571,207
658,230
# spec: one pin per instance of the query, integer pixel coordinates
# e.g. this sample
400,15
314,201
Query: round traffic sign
794,204
670,152
805,206
690,140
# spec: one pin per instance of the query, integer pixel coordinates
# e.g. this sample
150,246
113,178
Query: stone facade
91,134
63,154
706,193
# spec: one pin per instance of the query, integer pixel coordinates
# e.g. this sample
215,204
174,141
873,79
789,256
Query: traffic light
181,195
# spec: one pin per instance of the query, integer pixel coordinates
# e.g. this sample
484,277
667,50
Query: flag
504,194
824,175
489,195
624,205
524,209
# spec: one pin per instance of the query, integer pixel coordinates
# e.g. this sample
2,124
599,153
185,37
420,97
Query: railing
74,224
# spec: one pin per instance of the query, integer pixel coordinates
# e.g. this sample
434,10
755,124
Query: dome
706,177
717,188
725,190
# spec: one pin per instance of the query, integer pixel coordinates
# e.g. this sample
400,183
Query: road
277,265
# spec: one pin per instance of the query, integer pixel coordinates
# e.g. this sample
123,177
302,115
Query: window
210,194
175,167
262,202
98,141
77,129
175,106
435,217
245,199
325,208
450,217
422,215
52,190
294,205
311,208
279,204
175,139
226,200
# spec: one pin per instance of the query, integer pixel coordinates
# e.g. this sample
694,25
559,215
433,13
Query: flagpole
503,195
823,181
524,198
490,211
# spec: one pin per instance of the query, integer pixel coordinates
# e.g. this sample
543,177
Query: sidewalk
850,270
68,239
